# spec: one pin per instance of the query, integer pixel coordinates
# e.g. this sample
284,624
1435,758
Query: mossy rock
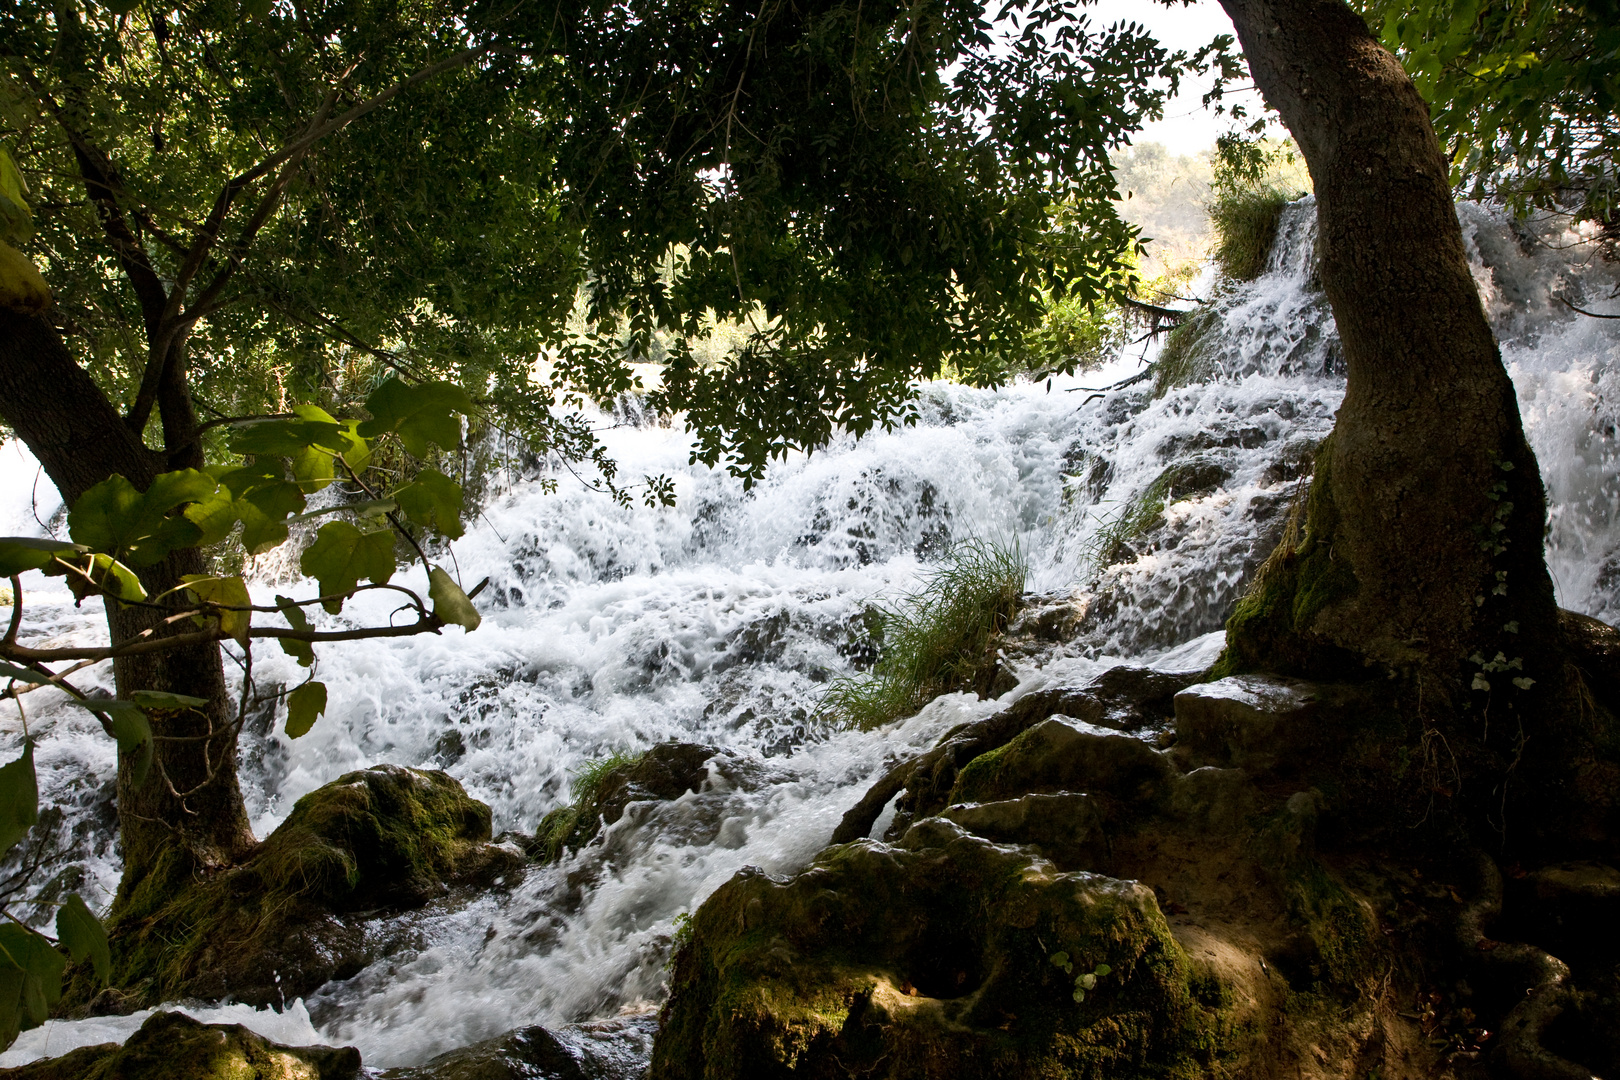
173,1046
666,771
942,956
382,840
1060,755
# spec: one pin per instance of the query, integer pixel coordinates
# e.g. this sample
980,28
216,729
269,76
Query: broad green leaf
104,516
21,553
302,651
276,500
11,1010
214,515
1101,970
303,706
284,438
342,555
16,220
450,604
113,578
134,734
41,965
231,592
418,414
114,518
19,798
82,933
245,478
22,675
1058,959
433,500
260,533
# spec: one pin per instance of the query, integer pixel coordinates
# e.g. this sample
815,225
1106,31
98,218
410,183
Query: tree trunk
79,438
1420,553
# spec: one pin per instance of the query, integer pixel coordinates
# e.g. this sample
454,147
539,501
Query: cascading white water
721,621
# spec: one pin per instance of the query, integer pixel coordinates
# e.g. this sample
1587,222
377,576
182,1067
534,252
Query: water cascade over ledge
722,621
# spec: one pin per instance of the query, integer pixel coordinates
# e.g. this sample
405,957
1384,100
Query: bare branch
425,624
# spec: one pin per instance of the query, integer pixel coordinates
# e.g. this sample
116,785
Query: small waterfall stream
722,620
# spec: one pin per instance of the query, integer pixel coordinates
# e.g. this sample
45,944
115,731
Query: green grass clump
1245,223
937,640
557,826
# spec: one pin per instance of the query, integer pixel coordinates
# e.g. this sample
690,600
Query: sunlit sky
1187,126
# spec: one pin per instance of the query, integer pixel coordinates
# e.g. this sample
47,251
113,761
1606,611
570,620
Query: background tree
251,213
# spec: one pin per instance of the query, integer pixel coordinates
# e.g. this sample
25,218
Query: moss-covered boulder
173,1046
943,956
378,841
666,771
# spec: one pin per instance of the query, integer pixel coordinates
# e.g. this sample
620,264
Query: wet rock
173,1046
615,1049
665,772
1125,698
1067,827
375,842
944,956
1264,724
1061,755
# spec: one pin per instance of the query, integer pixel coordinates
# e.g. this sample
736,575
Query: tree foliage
1523,95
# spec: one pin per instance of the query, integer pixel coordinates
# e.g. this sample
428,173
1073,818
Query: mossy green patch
1271,627
933,959
270,929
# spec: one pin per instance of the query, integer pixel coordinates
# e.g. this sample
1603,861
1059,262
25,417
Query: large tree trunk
1420,552
79,438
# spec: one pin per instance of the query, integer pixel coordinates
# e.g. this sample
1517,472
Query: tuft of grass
1245,222
558,825
937,640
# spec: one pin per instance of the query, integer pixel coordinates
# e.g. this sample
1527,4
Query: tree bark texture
79,438
1419,550
1437,505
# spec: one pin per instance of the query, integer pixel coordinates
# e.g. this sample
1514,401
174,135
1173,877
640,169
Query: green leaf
342,555
259,532
22,553
113,578
41,965
22,675
19,798
1086,981
114,518
134,734
83,935
16,220
276,500
418,414
302,651
1079,994
303,706
433,500
1059,959
285,438
1102,969
214,515
232,592
450,604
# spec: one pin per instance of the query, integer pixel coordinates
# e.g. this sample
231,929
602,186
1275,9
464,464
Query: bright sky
1187,126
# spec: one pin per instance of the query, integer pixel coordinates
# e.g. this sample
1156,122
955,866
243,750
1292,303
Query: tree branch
427,624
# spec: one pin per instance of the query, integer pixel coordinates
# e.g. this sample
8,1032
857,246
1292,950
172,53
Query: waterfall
723,619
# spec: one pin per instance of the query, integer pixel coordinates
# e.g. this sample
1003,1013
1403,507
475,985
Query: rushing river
722,620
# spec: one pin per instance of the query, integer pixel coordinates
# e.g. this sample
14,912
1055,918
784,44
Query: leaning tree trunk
79,438
1419,553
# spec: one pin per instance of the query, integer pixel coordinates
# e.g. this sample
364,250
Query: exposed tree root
1520,1050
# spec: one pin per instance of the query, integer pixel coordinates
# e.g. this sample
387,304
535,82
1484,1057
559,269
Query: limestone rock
667,771
613,1049
944,956
1262,724
1063,755
382,840
173,1046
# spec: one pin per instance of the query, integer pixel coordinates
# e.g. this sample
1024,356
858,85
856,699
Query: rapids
722,620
